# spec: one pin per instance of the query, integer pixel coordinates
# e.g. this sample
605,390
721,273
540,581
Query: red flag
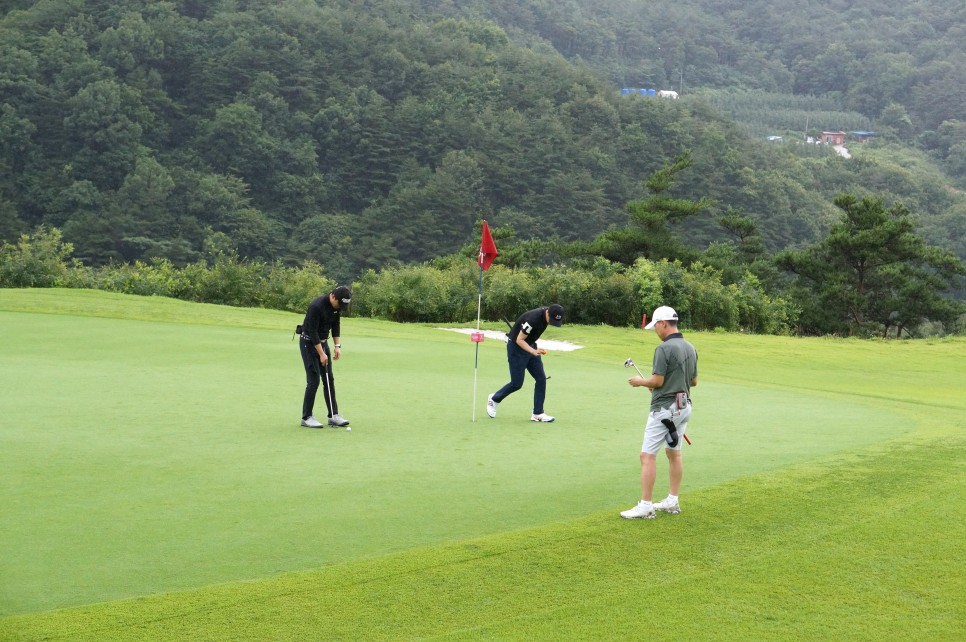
487,249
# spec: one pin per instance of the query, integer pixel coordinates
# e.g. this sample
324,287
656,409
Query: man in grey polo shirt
674,373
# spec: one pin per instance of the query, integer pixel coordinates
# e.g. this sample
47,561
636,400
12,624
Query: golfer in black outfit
523,355
321,319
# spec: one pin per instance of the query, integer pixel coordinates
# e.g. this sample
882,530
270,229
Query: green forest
369,138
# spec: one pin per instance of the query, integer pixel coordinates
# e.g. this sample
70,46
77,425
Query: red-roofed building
833,138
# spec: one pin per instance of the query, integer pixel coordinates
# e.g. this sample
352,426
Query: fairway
151,446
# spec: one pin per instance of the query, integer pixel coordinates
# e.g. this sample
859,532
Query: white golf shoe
338,421
668,505
311,422
543,418
643,510
491,406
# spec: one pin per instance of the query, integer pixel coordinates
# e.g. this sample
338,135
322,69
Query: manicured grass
841,549
140,457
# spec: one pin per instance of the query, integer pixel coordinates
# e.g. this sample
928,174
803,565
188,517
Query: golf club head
630,364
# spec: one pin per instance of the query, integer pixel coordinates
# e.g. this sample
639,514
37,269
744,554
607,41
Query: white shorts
655,432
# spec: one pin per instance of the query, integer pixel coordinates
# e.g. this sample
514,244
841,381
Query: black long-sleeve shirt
320,319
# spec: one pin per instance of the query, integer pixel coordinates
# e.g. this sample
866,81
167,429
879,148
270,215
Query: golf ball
347,428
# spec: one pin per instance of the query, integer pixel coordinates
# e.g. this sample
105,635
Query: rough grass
823,498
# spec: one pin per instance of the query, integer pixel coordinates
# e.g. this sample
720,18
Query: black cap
343,294
556,314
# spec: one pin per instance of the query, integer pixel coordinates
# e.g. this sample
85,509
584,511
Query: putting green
140,456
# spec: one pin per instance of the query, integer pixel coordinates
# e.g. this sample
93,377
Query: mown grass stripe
820,551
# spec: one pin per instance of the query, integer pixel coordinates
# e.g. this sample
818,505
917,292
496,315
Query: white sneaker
668,505
643,510
491,406
338,421
311,422
542,418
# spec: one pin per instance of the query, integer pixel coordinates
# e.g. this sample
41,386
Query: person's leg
653,437
535,368
675,469
654,433
310,360
675,458
648,475
517,360
328,383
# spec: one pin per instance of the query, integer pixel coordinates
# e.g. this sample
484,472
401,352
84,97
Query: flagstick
488,252
476,362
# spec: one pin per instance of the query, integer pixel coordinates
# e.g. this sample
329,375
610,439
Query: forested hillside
362,134
868,54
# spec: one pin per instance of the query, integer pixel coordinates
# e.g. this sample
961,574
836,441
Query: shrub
599,295
708,303
81,277
292,289
230,281
645,278
159,277
417,293
673,280
507,293
36,261
760,313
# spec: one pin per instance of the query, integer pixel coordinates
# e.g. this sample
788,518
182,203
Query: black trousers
314,372
522,361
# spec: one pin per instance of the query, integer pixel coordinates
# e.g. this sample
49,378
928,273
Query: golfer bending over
674,373
321,318
523,354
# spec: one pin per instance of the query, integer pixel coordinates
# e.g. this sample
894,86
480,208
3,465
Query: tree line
368,135
872,275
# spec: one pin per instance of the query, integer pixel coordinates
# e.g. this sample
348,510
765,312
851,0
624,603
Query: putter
630,364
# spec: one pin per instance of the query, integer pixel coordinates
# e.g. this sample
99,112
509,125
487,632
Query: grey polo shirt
677,361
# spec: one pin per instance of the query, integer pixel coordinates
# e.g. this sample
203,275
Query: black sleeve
312,322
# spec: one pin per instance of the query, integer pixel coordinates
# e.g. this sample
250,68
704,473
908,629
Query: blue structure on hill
634,91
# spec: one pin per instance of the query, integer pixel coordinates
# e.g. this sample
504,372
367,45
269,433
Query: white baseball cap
663,313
